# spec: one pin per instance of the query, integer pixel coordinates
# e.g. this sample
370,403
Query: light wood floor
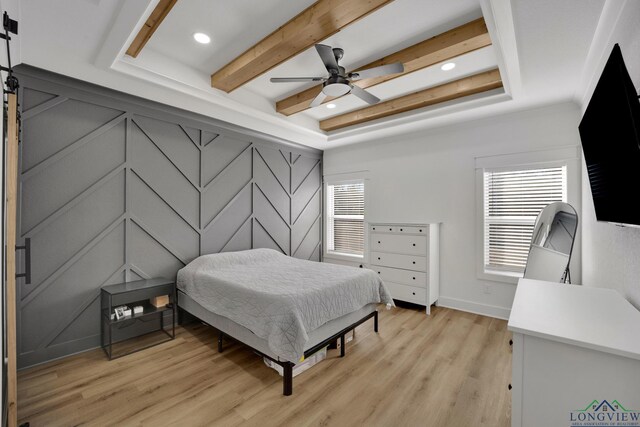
450,369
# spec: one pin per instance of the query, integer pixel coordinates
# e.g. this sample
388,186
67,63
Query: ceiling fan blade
364,95
317,100
382,70
328,58
295,79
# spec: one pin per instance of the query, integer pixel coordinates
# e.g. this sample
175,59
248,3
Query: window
345,218
512,201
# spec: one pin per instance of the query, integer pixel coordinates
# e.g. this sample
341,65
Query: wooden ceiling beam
319,21
477,83
150,26
458,41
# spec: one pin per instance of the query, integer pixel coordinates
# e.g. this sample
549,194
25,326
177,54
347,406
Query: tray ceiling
539,47
236,26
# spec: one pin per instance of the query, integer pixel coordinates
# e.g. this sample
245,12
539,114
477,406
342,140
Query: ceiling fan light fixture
336,89
448,66
202,38
331,106
338,82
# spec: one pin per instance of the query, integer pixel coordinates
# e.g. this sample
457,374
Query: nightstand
137,331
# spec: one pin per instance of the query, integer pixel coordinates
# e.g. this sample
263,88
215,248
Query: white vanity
574,347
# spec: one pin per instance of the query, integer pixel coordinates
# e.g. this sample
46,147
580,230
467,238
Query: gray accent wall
116,188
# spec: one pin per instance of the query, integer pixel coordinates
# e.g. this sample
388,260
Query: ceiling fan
339,82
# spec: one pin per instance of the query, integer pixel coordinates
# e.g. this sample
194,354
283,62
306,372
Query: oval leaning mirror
552,243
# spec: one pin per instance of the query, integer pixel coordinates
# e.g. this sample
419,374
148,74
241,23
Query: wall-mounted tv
610,134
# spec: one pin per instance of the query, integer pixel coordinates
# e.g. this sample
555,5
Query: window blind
345,224
512,201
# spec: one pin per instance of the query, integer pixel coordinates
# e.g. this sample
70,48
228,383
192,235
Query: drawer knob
421,230
374,228
413,293
511,342
510,387
378,241
413,261
360,265
378,257
414,278
389,229
378,272
401,229
414,244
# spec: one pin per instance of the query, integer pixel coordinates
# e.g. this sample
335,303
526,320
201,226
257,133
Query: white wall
611,254
430,177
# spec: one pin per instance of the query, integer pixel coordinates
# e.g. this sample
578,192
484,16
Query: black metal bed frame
287,367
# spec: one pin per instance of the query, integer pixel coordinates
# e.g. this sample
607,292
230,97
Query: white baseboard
474,307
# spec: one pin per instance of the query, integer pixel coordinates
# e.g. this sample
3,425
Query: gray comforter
279,298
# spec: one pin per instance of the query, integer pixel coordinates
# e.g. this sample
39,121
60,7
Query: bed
284,308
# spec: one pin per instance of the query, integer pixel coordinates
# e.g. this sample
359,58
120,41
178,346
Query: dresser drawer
378,228
405,277
408,262
397,243
407,293
400,229
414,230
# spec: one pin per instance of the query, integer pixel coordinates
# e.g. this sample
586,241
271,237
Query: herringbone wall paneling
114,188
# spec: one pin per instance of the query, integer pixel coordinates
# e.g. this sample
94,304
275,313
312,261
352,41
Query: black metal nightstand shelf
120,335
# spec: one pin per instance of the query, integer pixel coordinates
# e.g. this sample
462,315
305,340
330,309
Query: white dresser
406,258
576,356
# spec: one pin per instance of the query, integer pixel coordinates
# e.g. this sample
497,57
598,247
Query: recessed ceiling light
201,38
331,105
448,66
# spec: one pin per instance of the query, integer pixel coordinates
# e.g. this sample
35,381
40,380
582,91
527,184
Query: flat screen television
610,134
